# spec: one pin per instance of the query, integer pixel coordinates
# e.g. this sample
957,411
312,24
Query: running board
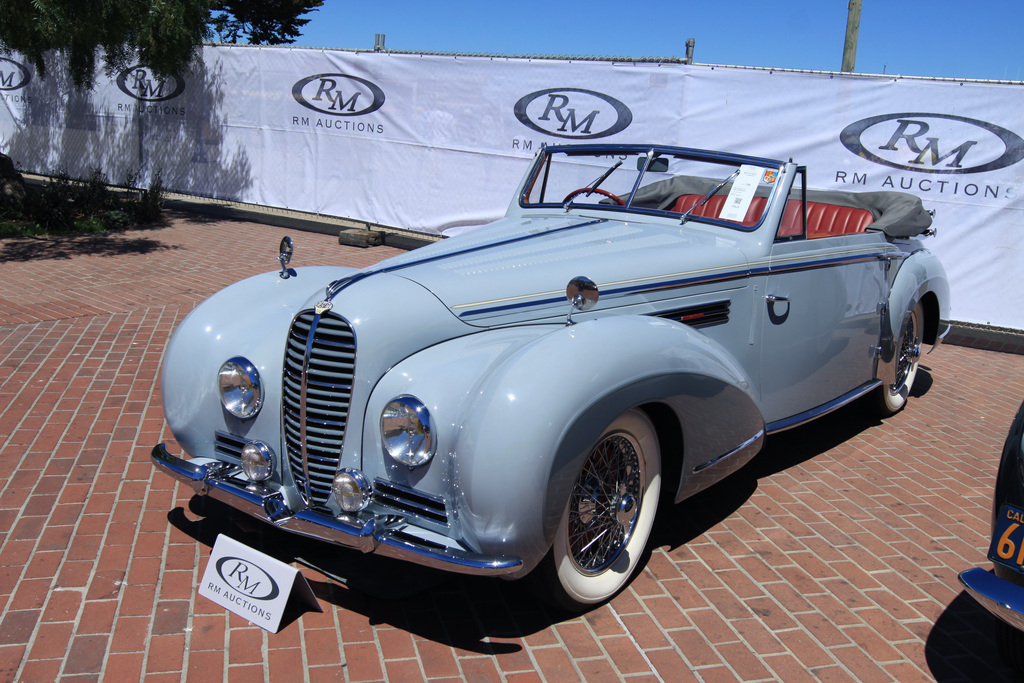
824,409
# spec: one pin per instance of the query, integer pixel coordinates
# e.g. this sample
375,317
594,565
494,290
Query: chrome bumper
998,596
367,533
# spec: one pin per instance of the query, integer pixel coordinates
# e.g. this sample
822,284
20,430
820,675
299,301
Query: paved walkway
832,556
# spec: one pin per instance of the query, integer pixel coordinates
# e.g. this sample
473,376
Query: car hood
516,270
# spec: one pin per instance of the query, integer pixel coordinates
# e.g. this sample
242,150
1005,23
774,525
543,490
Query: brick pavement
832,556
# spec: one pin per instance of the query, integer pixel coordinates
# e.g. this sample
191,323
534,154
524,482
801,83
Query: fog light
257,461
351,490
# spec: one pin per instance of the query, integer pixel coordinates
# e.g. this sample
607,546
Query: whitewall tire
607,520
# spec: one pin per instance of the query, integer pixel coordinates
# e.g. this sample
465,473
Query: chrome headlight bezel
406,434
239,387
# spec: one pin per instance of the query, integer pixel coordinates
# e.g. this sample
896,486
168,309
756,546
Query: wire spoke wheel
607,520
603,507
893,397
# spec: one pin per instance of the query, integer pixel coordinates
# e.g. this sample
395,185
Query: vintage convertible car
519,398
1002,592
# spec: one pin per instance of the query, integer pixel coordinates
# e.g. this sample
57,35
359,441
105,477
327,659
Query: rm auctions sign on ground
253,585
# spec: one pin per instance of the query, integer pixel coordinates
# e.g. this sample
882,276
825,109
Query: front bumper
998,596
368,533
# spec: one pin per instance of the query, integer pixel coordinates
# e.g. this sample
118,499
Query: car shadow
962,644
476,614
691,518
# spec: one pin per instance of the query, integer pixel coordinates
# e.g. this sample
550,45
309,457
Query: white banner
437,143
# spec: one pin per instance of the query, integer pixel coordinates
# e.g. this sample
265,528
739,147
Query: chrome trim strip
723,456
823,409
307,495
1000,597
366,533
684,279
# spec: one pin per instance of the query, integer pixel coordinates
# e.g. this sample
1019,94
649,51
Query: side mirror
582,295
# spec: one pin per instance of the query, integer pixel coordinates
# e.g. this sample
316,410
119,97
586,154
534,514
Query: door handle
774,316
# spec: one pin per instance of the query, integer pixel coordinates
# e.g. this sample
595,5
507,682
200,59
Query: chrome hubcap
910,352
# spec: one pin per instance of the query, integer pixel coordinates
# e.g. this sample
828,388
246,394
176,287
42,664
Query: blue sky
948,38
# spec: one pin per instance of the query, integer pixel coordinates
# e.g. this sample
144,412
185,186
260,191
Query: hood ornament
285,256
582,295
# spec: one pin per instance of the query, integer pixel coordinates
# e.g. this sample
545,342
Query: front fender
249,318
517,410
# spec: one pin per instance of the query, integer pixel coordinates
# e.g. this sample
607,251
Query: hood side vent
703,315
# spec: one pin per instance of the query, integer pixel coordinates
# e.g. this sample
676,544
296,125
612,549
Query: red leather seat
823,220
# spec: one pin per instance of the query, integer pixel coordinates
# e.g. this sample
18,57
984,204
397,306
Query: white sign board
437,143
251,584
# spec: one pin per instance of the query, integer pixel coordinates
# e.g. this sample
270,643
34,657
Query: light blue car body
720,335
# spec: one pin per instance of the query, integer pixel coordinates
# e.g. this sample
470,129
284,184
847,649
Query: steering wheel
598,190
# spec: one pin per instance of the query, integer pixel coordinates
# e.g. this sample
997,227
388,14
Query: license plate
1007,546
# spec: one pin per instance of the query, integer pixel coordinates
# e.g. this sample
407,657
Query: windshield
676,183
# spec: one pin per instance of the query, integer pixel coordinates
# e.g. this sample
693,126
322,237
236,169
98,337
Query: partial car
519,399
1001,591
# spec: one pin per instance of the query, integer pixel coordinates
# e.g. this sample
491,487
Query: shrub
92,196
52,206
85,205
151,201
116,219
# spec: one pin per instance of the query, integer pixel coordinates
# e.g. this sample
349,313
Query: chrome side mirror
285,257
582,295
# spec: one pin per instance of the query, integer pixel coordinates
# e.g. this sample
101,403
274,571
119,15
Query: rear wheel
607,521
892,397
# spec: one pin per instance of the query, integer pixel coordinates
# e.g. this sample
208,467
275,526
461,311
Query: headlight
405,431
240,389
257,461
351,490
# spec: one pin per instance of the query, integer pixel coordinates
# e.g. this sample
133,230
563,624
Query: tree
269,22
165,35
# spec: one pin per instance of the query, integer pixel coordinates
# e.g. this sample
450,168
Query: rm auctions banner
438,143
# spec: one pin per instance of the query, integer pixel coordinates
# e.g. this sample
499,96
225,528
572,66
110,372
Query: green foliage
151,201
87,205
116,220
92,195
270,22
52,206
164,35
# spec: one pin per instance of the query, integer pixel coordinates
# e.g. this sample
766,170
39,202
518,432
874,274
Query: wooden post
852,31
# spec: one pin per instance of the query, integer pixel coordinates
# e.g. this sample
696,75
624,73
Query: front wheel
892,397
608,518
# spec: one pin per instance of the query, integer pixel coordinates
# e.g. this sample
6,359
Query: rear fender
920,278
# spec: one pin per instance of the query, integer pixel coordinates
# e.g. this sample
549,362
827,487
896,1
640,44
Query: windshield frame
539,174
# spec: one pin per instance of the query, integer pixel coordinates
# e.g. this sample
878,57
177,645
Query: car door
821,323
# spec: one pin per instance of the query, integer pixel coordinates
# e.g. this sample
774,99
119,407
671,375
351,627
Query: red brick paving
833,555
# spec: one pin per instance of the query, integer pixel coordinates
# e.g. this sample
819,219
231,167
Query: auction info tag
251,584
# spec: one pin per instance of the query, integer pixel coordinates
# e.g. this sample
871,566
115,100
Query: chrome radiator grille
318,368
